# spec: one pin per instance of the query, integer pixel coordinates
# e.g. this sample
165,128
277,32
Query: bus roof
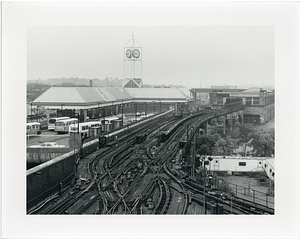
33,123
64,117
88,123
111,118
65,120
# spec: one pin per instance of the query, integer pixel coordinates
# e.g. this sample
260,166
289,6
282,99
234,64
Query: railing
257,197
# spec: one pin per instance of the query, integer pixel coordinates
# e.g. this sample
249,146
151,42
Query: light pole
37,108
145,108
135,110
30,111
122,113
75,160
98,110
159,106
194,155
112,111
104,118
154,106
77,121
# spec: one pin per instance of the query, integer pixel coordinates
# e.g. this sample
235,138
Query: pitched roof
82,94
61,95
56,96
115,93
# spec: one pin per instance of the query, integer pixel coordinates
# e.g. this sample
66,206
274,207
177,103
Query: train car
165,135
113,136
207,108
178,117
63,125
140,138
182,143
33,128
102,141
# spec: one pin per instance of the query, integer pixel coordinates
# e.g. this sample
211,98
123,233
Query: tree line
245,141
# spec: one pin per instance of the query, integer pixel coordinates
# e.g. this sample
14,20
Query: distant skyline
192,56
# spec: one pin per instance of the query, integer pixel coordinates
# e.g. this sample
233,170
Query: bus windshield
73,128
59,123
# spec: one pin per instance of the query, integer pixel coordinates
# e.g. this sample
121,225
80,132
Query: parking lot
48,136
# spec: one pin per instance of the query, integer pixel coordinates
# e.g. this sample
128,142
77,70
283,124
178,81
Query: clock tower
132,64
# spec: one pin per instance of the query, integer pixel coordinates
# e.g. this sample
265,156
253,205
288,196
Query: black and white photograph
179,120
151,115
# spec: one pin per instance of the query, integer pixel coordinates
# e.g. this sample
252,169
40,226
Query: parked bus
33,128
84,128
62,126
52,121
110,120
109,123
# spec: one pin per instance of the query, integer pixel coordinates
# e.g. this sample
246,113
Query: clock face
128,53
136,53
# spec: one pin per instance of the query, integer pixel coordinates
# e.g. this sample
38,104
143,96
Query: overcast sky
185,55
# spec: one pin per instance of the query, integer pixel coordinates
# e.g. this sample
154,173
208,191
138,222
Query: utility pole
122,113
193,159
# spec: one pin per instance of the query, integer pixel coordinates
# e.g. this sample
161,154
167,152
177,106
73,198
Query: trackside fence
246,193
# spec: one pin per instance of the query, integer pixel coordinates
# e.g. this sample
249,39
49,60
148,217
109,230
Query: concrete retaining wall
48,176
44,179
42,155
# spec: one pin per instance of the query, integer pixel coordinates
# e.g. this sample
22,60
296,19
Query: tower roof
132,43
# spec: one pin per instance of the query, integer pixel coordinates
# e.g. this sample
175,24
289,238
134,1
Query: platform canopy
91,97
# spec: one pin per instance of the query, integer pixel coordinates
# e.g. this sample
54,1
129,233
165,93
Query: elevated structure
132,64
259,103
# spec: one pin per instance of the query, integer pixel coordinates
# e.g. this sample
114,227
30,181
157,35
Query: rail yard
147,170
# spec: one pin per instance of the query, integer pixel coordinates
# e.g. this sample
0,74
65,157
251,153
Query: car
48,145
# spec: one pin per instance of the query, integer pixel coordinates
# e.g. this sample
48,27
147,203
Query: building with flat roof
259,103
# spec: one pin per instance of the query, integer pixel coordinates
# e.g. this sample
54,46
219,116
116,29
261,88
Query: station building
97,102
259,103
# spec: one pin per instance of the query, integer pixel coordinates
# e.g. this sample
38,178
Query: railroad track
62,207
131,179
238,205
